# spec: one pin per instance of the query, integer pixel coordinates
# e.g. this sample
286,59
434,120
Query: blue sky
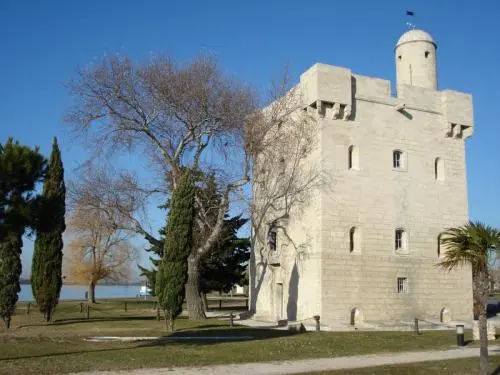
42,44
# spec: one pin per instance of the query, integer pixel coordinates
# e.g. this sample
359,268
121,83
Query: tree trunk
48,316
7,322
165,319
91,296
482,294
193,297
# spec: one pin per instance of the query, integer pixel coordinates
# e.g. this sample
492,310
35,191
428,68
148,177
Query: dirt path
308,365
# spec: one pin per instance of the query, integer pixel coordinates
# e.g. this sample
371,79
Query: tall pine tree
172,272
20,169
46,271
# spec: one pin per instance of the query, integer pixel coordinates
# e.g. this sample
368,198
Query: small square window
397,159
402,285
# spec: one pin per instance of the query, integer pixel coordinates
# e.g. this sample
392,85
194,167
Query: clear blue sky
42,42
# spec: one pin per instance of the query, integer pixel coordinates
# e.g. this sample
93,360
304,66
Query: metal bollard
316,318
29,308
81,307
416,327
231,320
460,335
88,312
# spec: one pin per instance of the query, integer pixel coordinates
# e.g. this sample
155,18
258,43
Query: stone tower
416,60
363,248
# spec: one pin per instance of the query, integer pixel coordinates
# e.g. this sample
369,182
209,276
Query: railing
228,298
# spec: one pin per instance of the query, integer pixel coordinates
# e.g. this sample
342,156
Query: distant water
78,291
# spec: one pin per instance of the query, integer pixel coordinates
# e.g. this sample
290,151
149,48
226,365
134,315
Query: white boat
144,291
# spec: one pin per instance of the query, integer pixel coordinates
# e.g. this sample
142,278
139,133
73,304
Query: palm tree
474,244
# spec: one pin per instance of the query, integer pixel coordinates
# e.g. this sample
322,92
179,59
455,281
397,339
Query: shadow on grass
65,353
235,334
497,371
218,335
62,322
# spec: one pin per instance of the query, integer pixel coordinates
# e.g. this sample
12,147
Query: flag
410,13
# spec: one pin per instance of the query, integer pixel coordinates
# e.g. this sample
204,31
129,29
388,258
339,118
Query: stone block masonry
365,247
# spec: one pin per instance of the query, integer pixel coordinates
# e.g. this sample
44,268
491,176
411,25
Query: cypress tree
172,270
10,272
46,271
20,169
221,268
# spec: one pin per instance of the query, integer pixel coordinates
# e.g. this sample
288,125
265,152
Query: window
271,239
439,169
352,232
399,240
354,240
353,157
439,245
402,285
400,57
427,54
397,159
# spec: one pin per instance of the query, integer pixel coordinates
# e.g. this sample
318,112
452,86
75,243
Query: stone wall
317,272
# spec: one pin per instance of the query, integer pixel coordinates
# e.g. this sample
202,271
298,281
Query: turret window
427,54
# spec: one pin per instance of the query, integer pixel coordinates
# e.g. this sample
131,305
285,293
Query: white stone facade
341,257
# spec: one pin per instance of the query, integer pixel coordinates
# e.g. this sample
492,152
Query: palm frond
470,244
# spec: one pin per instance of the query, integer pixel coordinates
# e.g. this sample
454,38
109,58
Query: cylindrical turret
416,60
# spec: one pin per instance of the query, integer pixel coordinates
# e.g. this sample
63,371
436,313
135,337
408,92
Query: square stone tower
364,246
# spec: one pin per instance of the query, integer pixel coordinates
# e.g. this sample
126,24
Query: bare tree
181,116
99,248
282,139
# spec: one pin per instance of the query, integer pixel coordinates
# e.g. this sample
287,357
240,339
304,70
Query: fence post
220,302
29,308
416,327
81,307
88,312
125,306
231,317
460,335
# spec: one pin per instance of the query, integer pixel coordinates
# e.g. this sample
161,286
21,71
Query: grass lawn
466,366
33,347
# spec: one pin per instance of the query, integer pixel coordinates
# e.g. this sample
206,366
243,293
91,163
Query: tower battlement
326,86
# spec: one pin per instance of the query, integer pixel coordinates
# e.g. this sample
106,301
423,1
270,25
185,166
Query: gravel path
308,365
